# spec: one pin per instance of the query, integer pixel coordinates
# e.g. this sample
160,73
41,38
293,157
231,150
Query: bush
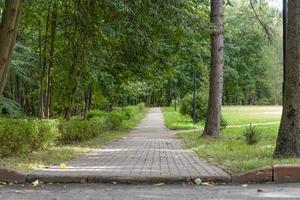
141,106
115,118
224,122
95,113
45,134
78,130
20,136
251,135
186,107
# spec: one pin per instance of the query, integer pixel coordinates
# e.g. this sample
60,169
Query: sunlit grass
176,121
237,115
58,154
231,150
234,115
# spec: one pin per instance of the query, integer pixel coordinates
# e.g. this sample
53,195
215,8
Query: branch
265,27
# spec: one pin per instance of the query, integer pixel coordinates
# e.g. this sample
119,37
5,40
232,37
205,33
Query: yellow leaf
62,165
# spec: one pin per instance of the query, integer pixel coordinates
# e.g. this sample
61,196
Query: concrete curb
120,179
279,173
12,176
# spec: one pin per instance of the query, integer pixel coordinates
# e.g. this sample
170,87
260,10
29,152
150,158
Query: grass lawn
59,154
234,115
231,150
237,115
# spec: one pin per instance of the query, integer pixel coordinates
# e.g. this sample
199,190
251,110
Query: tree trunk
288,141
51,61
212,125
8,34
43,66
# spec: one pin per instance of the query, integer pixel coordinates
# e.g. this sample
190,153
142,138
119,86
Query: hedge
21,136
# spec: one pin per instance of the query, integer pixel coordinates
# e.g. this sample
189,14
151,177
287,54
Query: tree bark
288,141
51,62
8,34
212,125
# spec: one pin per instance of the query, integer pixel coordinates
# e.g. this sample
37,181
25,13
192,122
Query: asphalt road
156,192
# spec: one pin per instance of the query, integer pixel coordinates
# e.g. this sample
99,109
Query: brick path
150,153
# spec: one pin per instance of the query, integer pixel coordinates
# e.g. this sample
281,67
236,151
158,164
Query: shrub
45,134
186,107
224,122
10,108
251,135
20,136
141,106
115,118
78,130
95,113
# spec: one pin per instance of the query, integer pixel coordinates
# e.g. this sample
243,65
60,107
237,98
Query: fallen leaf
83,181
259,190
62,165
159,184
198,181
35,183
209,184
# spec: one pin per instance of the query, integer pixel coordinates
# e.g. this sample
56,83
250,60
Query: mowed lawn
234,115
237,115
230,149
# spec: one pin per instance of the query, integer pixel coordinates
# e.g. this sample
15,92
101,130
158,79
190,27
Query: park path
149,153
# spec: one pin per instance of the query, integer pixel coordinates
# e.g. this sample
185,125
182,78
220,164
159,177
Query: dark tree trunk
212,125
8,34
288,141
43,67
51,62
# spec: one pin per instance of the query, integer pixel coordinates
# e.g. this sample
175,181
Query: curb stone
279,173
260,175
11,176
286,173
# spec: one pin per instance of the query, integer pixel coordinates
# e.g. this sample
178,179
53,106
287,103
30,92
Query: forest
72,56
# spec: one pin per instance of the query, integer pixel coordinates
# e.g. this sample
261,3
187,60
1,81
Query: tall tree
212,125
8,33
289,132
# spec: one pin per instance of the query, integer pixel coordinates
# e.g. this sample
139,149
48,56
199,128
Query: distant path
149,153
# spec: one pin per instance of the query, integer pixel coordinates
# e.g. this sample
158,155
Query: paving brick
258,175
12,176
149,153
286,173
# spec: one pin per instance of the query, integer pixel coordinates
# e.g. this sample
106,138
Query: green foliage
223,123
176,121
141,106
46,134
231,151
10,108
78,130
95,113
115,118
251,135
21,136
186,106
252,71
